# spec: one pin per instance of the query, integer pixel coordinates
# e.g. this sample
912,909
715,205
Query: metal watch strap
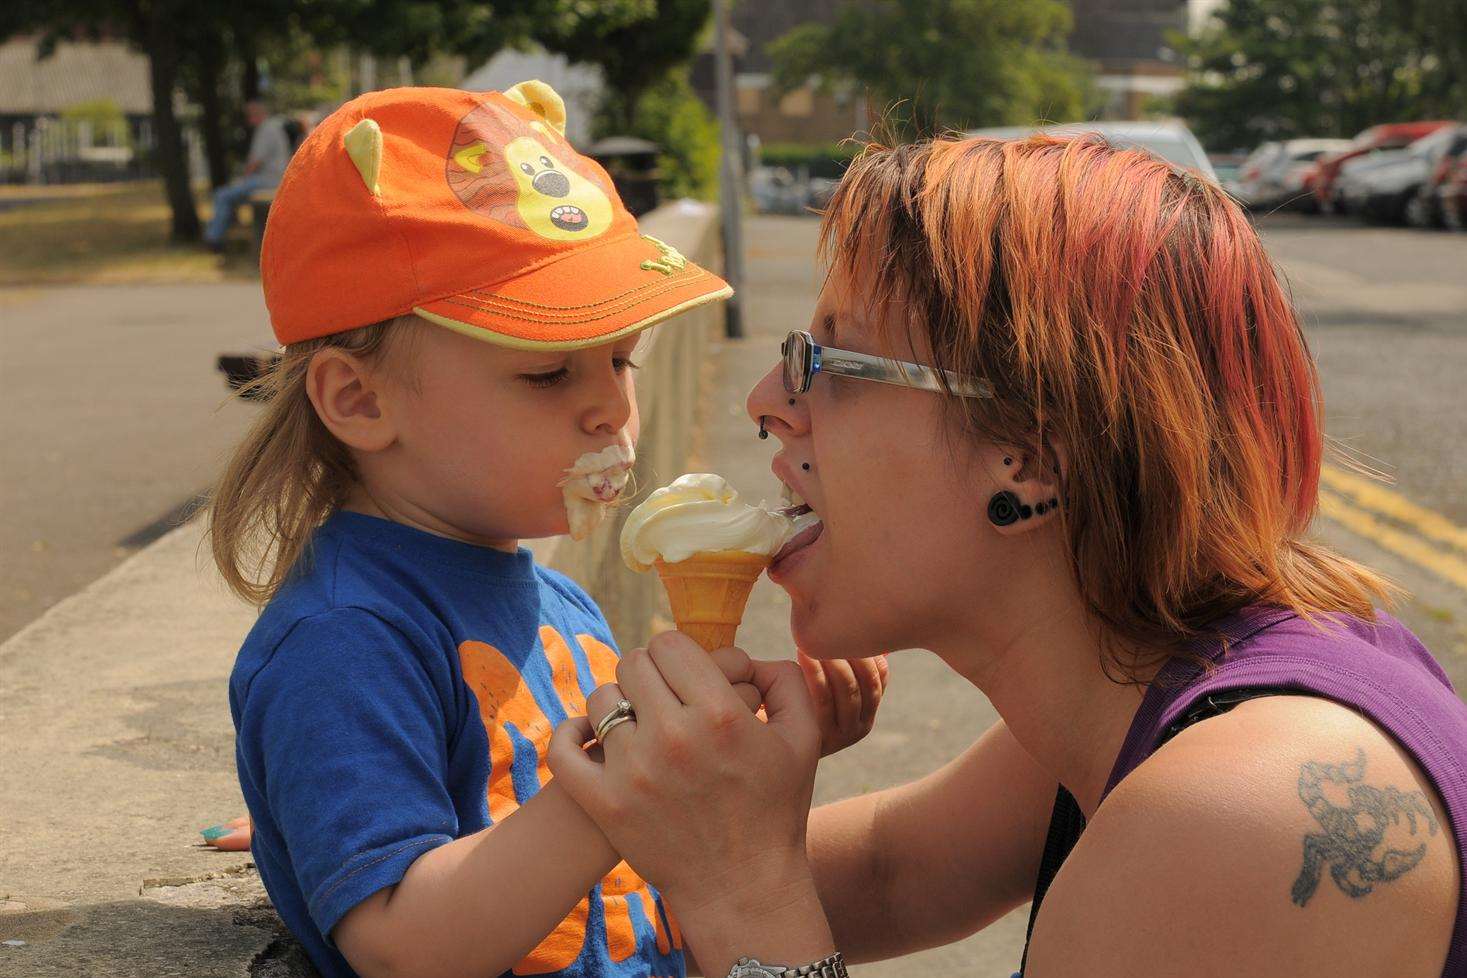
831,967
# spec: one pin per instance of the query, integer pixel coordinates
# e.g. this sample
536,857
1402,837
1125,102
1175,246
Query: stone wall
668,388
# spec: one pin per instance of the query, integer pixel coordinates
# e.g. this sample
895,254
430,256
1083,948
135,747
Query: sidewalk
118,745
929,715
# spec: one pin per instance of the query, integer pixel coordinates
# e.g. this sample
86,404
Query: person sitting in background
270,149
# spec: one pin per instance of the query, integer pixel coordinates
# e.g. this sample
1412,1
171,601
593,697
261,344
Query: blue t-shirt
399,693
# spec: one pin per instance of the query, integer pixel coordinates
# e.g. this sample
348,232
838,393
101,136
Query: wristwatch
831,967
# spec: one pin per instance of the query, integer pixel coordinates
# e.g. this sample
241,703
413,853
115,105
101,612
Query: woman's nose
769,400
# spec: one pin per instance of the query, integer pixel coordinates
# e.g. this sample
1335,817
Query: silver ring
620,713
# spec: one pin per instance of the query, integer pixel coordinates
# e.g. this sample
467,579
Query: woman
1097,518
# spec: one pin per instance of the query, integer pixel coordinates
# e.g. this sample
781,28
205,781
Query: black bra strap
1066,822
1065,825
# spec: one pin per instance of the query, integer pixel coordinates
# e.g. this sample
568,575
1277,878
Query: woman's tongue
808,528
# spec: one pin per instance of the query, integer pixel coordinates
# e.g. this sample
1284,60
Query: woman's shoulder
1289,835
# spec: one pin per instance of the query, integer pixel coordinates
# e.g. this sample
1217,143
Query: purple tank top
1381,670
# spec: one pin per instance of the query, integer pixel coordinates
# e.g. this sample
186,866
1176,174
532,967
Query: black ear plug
1004,509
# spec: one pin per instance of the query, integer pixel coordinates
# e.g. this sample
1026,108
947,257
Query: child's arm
477,905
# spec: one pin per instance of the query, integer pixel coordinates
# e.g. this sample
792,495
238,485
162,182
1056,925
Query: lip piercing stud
805,466
792,402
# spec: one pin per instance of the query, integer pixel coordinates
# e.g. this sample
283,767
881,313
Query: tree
190,42
949,63
636,47
1280,69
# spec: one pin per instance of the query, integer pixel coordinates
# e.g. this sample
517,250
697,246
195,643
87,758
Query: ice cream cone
708,592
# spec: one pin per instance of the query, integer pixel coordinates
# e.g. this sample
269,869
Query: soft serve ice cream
594,483
708,547
699,513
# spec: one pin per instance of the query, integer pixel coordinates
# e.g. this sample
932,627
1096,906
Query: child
459,295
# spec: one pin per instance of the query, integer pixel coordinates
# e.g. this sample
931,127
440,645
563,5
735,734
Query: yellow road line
1399,542
1377,498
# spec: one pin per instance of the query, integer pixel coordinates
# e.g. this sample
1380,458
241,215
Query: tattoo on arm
1352,843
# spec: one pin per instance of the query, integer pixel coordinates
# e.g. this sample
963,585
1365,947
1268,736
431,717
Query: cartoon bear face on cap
525,174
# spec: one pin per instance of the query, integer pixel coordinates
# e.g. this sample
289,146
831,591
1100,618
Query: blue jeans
226,199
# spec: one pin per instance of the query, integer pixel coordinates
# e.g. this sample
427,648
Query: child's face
484,433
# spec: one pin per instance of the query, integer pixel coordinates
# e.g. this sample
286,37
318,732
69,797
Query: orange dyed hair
1125,310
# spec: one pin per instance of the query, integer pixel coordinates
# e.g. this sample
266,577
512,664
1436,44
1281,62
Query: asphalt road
1384,311
114,421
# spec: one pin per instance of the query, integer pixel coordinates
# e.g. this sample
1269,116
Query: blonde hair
290,473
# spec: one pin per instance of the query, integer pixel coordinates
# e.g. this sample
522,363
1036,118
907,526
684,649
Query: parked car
1424,209
1279,179
1258,161
1171,140
1351,187
775,190
1228,166
1382,192
1452,196
1393,135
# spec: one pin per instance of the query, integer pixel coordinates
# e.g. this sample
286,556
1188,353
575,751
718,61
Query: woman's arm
453,914
931,862
1289,836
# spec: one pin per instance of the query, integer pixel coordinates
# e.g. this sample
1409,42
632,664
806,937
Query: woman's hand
700,796
846,693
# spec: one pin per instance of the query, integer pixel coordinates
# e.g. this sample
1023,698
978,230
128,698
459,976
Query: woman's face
904,545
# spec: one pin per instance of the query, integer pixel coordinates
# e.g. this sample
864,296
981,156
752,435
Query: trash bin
632,164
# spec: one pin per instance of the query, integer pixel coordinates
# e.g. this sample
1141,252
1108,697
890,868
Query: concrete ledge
118,745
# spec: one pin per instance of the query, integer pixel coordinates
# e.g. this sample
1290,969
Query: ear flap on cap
364,146
542,100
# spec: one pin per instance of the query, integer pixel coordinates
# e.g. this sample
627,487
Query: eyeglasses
803,359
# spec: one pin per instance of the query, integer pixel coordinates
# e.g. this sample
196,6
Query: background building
84,112
1128,42
804,115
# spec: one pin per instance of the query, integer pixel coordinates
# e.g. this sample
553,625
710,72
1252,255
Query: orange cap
471,210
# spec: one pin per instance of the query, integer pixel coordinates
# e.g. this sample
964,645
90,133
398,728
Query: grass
105,233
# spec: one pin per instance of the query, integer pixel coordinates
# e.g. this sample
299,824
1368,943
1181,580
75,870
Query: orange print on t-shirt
505,700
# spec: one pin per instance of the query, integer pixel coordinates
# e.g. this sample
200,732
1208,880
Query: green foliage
103,117
671,115
1279,69
950,63
829,160
635,48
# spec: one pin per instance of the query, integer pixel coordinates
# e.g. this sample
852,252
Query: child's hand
846,694
232,836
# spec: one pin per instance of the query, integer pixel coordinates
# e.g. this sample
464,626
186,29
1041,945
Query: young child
459,295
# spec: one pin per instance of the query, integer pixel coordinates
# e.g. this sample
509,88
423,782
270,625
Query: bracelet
831,967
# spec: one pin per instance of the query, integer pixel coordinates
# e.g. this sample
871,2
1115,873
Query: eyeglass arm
899,372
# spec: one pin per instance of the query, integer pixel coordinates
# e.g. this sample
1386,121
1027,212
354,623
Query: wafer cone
708,592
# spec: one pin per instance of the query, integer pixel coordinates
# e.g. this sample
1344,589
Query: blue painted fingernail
216,832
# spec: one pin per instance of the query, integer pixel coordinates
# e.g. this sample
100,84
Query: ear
1027,486
542,100
364,145
349,400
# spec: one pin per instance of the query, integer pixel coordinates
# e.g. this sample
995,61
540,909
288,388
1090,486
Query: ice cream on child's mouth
708,547
593,483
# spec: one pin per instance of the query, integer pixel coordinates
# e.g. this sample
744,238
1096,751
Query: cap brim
587,298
